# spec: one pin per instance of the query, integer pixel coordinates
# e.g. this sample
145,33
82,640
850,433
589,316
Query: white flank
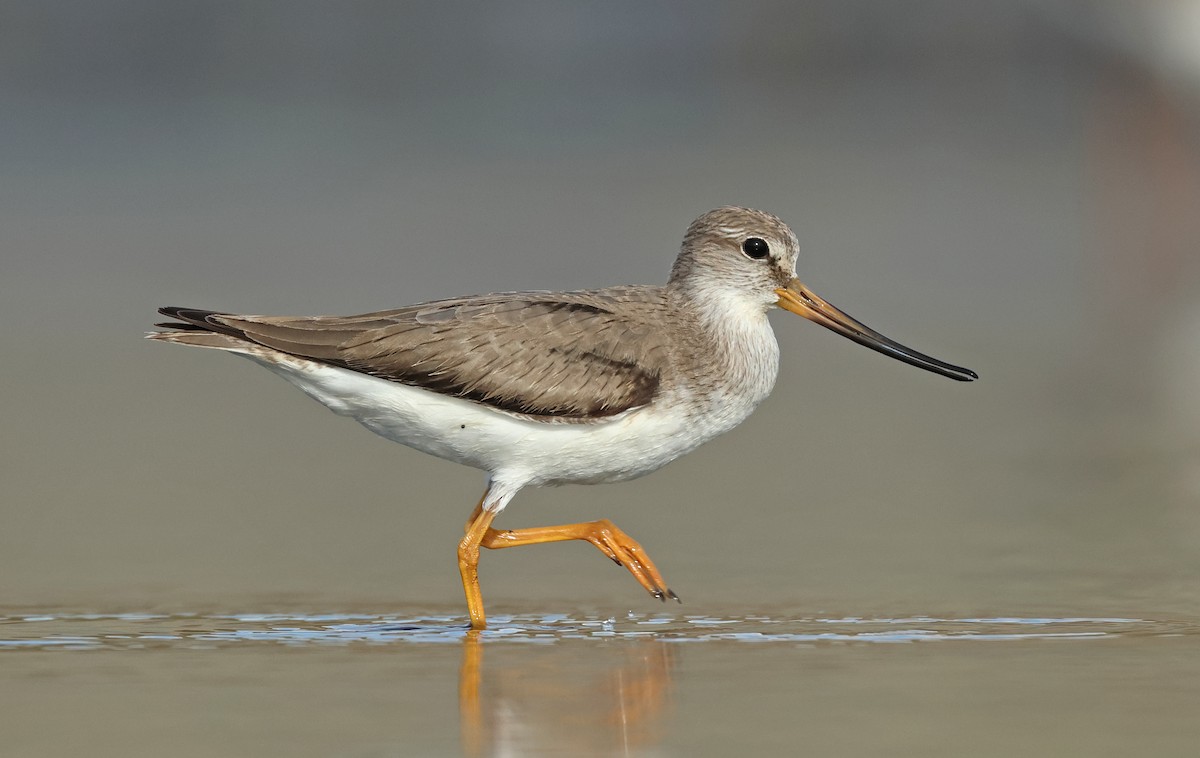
516,451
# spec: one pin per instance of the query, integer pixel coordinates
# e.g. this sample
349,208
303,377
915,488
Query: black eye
756,248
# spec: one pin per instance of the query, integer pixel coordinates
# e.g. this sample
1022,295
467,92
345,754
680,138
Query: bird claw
664,596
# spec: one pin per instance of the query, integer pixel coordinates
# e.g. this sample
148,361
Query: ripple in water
64,631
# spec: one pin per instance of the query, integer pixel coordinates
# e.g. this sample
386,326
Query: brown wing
571,355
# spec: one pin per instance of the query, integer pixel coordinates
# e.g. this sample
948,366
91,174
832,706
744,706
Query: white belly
516,450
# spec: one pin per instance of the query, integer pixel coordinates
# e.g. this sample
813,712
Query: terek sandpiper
544,388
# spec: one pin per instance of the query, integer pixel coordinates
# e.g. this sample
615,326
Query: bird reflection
532,698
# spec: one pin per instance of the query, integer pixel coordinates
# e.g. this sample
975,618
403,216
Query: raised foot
608,539
626,551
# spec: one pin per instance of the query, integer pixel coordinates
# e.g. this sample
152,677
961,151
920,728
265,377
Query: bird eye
756,248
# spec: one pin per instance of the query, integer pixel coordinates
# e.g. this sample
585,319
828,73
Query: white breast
744,362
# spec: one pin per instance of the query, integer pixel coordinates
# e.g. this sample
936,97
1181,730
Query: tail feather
200,338
197,327
197,319
180,327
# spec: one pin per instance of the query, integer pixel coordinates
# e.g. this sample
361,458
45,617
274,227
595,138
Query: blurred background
1007,185
1010,186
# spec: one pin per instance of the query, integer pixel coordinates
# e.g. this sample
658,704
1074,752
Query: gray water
639,684
197,560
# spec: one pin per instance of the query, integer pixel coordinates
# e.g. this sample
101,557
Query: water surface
392,684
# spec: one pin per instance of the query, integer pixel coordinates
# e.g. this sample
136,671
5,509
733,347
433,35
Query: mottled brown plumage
574,355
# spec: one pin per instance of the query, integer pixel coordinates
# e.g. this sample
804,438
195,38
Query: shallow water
196,560
136,631
391,684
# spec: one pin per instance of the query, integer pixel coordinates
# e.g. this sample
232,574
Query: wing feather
573,356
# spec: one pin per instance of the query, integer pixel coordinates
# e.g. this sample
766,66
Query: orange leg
475,513
604,534
468,565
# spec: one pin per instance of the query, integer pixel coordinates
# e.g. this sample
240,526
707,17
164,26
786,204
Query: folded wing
565,355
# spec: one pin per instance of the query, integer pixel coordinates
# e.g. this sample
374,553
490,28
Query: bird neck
735,336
